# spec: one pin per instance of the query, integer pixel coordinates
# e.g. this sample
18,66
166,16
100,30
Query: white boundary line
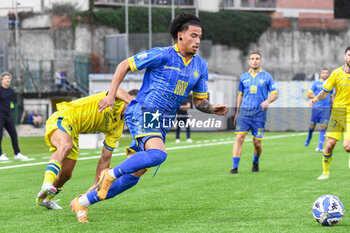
169,148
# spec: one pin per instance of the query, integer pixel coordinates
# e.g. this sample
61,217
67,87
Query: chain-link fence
37,71
3,43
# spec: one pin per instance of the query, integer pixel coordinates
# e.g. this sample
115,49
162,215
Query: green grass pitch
192,191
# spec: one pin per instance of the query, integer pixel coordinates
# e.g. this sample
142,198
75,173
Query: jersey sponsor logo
181,87
142,56
253,89
196,74
171,68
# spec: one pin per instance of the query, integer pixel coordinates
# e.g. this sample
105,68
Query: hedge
226,27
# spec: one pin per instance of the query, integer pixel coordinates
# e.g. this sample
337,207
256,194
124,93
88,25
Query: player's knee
156,157
240,137
347,147
140,172
257,144
66,148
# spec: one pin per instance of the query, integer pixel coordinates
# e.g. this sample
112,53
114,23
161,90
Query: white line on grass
169,148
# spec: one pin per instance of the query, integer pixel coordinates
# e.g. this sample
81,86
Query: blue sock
321,138
140,160
235,161
92,196
256,158
120,185
310,133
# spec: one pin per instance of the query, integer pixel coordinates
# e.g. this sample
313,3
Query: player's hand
313,101
220,109
264,105
105,102
235,121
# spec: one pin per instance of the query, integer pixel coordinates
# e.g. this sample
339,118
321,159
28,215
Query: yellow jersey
84,117
340,80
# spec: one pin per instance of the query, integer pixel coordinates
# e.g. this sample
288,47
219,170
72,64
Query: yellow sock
52,170
326,163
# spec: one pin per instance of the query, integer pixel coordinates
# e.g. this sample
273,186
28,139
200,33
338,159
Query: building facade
276,8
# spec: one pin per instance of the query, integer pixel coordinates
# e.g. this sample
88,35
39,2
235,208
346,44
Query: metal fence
36,70
3,44
155,3
248,4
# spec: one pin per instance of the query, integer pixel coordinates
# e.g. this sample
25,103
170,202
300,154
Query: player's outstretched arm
310,95
103,163
118,77
204,106
323,94
123,95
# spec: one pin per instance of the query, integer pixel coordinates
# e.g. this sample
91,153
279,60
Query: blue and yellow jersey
168,79
340,80
255,90
82,114
316,88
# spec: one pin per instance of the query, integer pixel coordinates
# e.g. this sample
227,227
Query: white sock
111,173
84,201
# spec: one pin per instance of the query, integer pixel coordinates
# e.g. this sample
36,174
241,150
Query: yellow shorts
338,124
58,121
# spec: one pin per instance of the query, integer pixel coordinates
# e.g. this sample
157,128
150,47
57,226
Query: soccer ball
328,210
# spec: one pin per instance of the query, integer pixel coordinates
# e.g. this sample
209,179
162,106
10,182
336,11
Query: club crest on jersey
196,74
142,56
261,81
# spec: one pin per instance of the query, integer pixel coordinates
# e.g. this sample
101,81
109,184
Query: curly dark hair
133,92
347,49
181,23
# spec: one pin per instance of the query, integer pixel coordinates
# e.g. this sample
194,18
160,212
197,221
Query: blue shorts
134,118
244,124
320,116
133,148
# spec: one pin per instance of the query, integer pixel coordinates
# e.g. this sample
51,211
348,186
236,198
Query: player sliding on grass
62,136
339,121
171,74
320,110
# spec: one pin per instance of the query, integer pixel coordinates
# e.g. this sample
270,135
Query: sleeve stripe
326,90
240,93
273,92
132,64
310,91
108,147
200,95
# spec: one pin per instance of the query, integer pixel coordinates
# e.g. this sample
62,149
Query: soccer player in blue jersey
320,110
252,102
171,74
